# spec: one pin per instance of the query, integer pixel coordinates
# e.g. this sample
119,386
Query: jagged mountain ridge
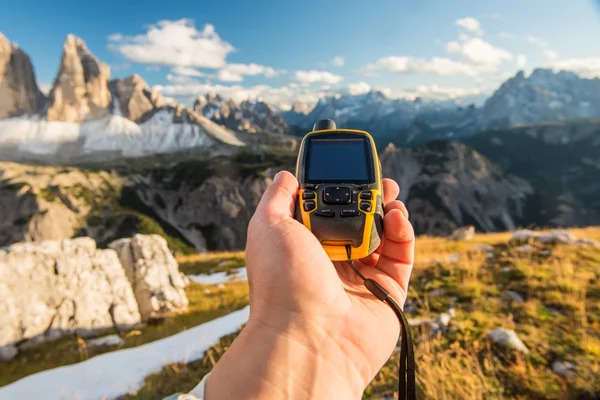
248,116
544,96
89,117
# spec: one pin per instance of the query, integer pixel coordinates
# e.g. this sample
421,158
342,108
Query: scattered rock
438,292
7,353
153,273
510,295
437,324
564,368
525,249
54,288
454,258
110,340
463,233
553,237
507,338
484,248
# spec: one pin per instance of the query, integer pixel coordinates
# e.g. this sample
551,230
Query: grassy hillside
558,319
553,306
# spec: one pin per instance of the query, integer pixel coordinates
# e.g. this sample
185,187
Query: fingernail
277,176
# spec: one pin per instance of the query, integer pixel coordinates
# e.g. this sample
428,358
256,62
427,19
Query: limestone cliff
80,91
19,92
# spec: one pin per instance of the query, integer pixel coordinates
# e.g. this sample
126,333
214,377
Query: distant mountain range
530,155
544,96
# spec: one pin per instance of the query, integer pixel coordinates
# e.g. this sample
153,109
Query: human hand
314,330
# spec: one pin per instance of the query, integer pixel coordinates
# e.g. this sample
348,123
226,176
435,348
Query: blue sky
284,51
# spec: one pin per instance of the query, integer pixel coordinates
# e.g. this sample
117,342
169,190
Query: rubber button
365,206
310,186
325,212
337,195
349,213
309,205
366,195
308,195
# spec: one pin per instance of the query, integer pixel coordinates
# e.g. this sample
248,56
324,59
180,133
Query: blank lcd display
339,161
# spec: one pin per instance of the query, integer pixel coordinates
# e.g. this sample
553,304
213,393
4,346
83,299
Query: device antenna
324,124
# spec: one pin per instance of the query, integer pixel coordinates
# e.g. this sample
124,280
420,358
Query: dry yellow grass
558,320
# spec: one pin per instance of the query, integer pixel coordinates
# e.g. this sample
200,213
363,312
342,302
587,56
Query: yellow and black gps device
340,198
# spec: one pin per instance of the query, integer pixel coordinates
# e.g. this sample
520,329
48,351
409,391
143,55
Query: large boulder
154,274
19,92
54,288
80,91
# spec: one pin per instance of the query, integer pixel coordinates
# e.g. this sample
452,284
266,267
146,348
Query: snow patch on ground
219,277
113,374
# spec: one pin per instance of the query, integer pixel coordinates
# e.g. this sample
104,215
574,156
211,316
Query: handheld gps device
340,197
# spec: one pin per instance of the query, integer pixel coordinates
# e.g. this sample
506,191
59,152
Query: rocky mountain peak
80,91
134,97
19,93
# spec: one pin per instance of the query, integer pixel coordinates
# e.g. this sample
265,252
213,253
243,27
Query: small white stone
507,338
563,368
110,340
7,353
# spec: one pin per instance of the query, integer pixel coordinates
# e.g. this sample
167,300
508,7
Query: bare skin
314,331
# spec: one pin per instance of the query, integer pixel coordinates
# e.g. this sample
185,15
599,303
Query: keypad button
349,213
366,195
309,205
365,206
337,195
308,195
310,186
325,212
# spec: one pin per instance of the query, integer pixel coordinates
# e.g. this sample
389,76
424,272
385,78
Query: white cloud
338,61
585,67
470,24
280,97
479,52
174,43
438,92
115,37
358,88
307,77
410,65
537,41
506,35
551,54
187,71
236,72
180,79
521,60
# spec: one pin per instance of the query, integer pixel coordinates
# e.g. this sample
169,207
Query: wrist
292,360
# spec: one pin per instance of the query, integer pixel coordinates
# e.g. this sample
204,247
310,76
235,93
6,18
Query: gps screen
338,161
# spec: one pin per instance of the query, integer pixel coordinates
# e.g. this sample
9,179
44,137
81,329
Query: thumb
278,201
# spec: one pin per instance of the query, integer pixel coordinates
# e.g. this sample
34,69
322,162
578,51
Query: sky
288,51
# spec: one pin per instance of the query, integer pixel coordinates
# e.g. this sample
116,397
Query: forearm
268,363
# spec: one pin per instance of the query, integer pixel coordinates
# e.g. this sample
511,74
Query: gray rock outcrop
446,185
507,338
153,273
135,98
80,91
19,92
54,288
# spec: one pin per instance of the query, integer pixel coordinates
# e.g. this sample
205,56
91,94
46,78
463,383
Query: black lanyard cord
406,373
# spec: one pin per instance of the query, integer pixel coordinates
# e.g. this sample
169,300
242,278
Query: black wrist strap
406,373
